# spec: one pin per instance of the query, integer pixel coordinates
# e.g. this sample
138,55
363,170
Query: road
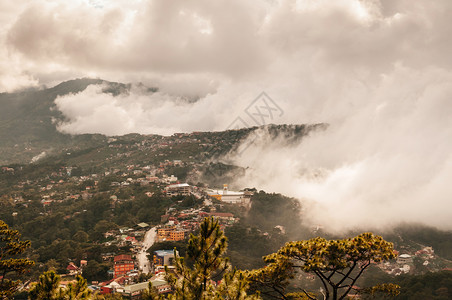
148,241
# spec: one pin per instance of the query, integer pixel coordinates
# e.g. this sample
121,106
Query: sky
379,72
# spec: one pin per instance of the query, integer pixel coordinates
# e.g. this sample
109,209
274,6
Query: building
171,233
73,270
229,196
222,216
177,235
133,291
123,264
404,259
178,189
163,233
163,257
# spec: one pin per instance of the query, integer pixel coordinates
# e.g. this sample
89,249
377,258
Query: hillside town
134,267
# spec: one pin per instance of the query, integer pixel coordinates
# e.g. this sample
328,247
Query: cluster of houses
405,262
176,225
125,273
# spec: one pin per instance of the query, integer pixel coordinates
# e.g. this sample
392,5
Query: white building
178,189
404,259
229,196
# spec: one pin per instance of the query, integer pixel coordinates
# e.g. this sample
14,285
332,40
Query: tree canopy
336,263
11,248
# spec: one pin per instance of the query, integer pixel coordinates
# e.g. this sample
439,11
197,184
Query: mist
387,163
379,72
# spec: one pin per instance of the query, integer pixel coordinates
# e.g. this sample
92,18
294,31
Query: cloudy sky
378,71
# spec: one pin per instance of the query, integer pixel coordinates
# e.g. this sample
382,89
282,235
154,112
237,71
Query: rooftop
164,252
179,185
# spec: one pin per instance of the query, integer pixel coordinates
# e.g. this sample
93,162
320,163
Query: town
134,255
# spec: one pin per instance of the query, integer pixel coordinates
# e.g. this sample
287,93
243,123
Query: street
143,262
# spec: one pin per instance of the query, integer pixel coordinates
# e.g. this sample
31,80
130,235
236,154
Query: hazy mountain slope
27,125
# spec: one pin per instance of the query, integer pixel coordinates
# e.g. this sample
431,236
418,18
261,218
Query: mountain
28,129
27,120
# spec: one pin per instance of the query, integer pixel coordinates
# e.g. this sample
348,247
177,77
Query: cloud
385,163
378,71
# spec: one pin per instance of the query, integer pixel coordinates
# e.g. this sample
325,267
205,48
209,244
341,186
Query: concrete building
404,259
228,196
123,264
163,257
170,233
177,235
178,189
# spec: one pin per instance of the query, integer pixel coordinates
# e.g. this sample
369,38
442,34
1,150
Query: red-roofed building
73,269
123,264
132,239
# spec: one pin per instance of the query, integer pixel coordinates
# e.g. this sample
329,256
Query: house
132,240
73,270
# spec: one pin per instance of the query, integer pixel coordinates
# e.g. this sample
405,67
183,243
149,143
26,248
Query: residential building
123,264
73,269
177,235
164,232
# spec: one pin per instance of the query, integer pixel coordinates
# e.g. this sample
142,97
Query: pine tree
78,290
47,287
336,263
208,266
11,247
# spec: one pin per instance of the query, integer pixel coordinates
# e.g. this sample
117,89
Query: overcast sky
379,72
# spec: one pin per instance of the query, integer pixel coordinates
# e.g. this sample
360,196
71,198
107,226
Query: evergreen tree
47,287
10,248
78,290
207,265
336,263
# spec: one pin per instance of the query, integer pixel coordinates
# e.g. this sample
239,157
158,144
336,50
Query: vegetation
48,288
434,286
336,263
11,264
207,265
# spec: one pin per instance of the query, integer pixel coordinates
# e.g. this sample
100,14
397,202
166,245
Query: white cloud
378,71
385,162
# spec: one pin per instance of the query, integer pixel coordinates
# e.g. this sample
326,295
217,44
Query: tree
47,287
336,263
205,252
78,290
11,247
